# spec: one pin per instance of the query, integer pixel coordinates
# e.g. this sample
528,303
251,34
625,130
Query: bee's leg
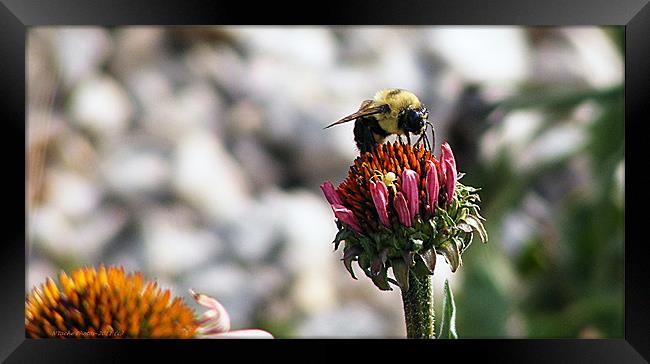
433,135
401,141
421,137
408,137
427,146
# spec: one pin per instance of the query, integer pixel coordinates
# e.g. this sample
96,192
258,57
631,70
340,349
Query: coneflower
402,206
109,303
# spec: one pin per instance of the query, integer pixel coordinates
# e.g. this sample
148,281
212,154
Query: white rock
398,68
308,223
261,169
483,54
80,240
173,245
253,234
151,88
100,105
131,172
245,118
72,194
267,280
80,51
600,62
76,151
313,291
48,226
220,63
135,47
310,46
192,109
206,175
354,320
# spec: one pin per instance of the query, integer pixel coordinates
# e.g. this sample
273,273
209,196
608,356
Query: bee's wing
364,110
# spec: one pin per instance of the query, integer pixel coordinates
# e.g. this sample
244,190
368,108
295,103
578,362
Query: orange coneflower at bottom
106,302
109,303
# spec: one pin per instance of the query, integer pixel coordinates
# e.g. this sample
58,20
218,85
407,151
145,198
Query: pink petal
379,193
446,155
432,185
242,334
410,189
330,193
216,318
402,209
450,181
346,216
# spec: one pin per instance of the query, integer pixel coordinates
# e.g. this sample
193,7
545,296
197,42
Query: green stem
418,307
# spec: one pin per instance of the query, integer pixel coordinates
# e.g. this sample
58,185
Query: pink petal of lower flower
216,318
242,334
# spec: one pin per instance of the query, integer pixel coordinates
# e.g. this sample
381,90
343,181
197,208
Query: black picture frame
16,16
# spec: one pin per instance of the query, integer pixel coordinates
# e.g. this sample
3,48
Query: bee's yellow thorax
398,100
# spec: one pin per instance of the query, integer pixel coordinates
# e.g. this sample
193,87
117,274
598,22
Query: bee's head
413,120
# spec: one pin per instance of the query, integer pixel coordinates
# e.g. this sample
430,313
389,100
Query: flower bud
410,189
379,193
431,184
402,209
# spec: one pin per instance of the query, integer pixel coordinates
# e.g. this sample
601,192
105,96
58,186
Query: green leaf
449,250
478,227
467,241
448,324
420,268
381,281
377,263
349,254
364,261
429,259
409,258
417,244
465,227
401,272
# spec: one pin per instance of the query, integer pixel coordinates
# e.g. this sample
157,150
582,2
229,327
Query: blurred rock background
194,154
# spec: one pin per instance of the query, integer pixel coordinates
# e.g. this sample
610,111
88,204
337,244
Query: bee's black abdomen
363,135
365,130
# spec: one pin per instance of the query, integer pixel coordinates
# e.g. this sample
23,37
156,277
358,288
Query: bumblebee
391,111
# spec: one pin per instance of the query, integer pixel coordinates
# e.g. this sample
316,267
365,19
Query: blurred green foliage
566,278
